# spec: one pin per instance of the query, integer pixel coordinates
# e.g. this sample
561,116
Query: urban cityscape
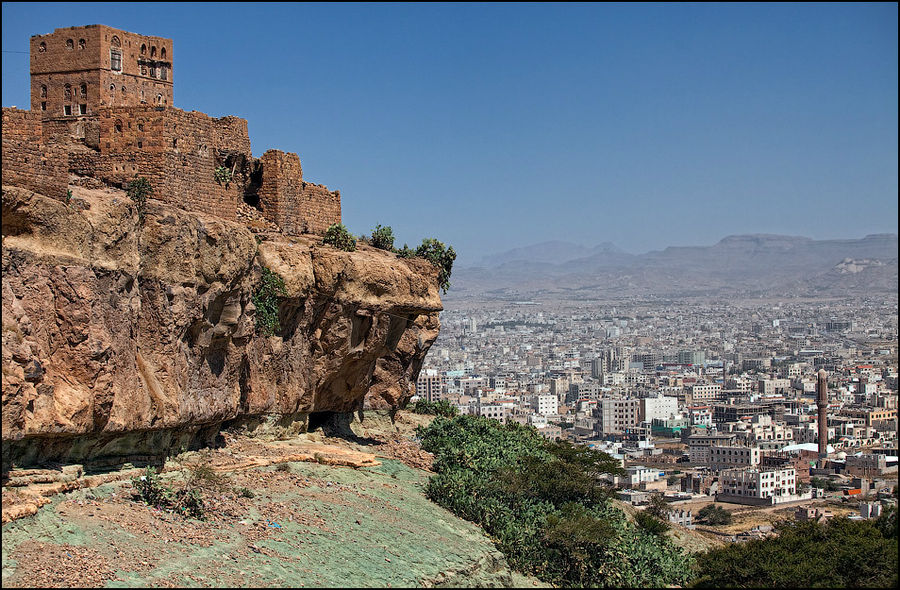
697,399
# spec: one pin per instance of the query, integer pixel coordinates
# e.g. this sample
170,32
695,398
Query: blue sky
495,126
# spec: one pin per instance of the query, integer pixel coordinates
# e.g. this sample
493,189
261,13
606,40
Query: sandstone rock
120,337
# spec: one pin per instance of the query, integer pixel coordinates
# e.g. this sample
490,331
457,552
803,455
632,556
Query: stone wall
178,151
27,162
294,205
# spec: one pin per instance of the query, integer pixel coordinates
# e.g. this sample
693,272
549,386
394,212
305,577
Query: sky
493,126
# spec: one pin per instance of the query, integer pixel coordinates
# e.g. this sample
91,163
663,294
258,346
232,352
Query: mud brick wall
177,151
317,206
296,206
27,161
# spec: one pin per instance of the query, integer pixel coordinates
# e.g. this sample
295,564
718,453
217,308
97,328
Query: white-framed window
115,60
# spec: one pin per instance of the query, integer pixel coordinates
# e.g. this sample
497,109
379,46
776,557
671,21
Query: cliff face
121,337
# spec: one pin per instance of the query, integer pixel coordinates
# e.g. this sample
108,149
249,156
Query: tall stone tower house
77,70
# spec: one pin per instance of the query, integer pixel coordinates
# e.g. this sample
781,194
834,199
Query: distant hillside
744,264
552,252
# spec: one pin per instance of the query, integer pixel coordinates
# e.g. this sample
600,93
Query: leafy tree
838,554
714,515
440,256
438,408
544,505
338,236
382,238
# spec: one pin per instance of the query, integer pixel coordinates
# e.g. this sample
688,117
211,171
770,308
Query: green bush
382,238
439,408
838,554
265,298
544,505
338,236
405,252
222,175
440,256
714,515
138,190
651,522
150,489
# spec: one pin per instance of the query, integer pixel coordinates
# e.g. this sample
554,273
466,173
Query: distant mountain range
745,265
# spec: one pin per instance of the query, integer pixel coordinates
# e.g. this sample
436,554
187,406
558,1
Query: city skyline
491,127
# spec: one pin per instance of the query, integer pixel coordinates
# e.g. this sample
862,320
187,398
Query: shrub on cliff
440,256
138,190
265,298
382,238
544,505
405,252
338,236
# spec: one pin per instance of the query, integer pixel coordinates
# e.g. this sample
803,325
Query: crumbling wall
296,206
178,151
27,161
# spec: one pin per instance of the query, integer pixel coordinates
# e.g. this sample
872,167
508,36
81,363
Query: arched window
115,41
81,44
162,53
152,51
43,91
68,91
42,47
124,91
83,90
112,88
118,126
70,44
159,99
143,48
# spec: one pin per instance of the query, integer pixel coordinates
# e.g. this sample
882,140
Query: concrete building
733,456
616,415
754,486
659,407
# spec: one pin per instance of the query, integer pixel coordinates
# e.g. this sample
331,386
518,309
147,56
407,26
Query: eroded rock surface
125,337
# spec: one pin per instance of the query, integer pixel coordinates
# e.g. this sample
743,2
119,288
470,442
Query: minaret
822,403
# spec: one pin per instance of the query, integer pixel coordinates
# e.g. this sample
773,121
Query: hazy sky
495,126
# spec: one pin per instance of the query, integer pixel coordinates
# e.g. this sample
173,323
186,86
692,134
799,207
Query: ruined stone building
102,109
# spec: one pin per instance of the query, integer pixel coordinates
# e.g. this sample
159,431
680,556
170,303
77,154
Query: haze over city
497,126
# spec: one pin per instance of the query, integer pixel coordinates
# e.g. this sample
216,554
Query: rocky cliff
123,337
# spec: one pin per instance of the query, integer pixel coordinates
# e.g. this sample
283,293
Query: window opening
42,47
68,92
70,44
115,41
67,110
162,53
83,90
115,60
43,106
82,109
43,91
81,44
152,51
143,48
